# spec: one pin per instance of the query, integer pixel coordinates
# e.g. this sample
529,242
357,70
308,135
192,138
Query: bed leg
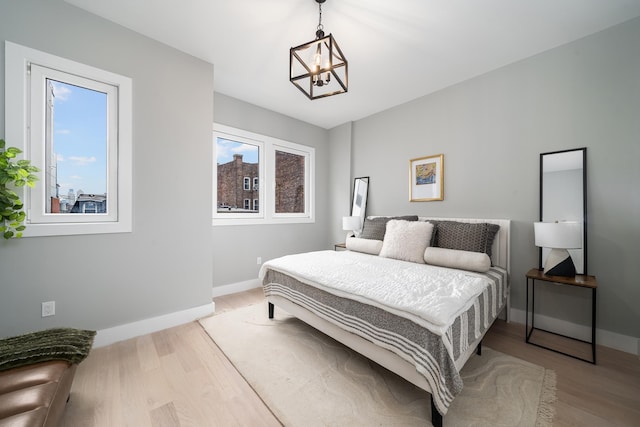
436,417
270,311
479,349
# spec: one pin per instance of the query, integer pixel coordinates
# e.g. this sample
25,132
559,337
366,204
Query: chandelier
318,68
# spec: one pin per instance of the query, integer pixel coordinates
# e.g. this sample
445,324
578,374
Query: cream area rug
309,379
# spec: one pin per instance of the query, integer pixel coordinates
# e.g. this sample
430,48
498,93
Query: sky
226,148
80,138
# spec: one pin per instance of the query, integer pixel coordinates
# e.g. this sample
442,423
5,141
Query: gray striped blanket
436,356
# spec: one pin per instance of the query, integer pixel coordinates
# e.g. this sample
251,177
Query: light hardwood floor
179,377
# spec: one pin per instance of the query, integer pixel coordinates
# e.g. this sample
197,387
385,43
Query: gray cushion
374,228
464,236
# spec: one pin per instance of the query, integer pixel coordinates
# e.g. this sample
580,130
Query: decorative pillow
71,345
368,246
465,236
374,228
464,260
406,240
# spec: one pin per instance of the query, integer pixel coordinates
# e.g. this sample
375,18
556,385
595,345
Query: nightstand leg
593,325
526,314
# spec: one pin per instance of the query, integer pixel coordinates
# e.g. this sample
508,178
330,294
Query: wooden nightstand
339,246
580,280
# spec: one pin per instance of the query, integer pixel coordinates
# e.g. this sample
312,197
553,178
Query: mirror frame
360,188
584,202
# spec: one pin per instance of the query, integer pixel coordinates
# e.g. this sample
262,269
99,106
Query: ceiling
397,50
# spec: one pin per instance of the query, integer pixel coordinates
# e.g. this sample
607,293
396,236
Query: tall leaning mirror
563,197
360,193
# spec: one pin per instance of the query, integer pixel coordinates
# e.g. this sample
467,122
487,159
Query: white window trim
17,133
37,213
267,177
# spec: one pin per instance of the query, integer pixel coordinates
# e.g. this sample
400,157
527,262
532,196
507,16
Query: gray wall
340,178
164,266
491,130
236,247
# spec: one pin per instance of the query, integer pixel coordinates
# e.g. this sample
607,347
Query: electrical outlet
48,308
259,260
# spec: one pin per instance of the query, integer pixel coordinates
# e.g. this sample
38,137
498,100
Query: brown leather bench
35,395
36,372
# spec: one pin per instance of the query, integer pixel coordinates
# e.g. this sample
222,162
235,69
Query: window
290,181
79,135
243,160
236,158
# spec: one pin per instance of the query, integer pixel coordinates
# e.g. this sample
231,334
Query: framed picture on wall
426,178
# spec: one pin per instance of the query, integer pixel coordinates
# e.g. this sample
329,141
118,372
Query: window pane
76,149
238,166
290,182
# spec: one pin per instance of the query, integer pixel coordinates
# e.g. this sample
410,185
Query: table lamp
351,223
559,236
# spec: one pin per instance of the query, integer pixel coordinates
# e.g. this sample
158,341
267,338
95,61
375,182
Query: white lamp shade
350,223
558,235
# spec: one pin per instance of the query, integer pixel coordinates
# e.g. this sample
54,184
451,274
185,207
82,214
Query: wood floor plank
179,377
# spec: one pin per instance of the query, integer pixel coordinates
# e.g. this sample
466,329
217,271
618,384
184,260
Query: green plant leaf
13,173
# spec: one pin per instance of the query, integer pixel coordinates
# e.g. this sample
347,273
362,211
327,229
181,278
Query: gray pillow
464,236
374,228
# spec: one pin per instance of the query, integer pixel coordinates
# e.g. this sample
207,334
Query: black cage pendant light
318,68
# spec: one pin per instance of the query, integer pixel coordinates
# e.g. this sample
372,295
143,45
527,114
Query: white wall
491,130
164,265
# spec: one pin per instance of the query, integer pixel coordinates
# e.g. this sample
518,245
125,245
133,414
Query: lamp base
559,263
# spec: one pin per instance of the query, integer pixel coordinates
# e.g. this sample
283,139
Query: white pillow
406,240
368,246
453,258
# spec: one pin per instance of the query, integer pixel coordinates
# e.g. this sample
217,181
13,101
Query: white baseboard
154,324
606,338
233,288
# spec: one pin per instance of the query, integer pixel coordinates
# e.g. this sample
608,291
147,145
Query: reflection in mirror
359,205
563,196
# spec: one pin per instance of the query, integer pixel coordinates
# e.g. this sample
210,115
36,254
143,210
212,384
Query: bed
374,298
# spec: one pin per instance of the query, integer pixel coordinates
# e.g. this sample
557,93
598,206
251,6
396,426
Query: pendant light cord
320,26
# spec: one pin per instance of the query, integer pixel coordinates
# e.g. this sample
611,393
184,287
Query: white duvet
430,296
